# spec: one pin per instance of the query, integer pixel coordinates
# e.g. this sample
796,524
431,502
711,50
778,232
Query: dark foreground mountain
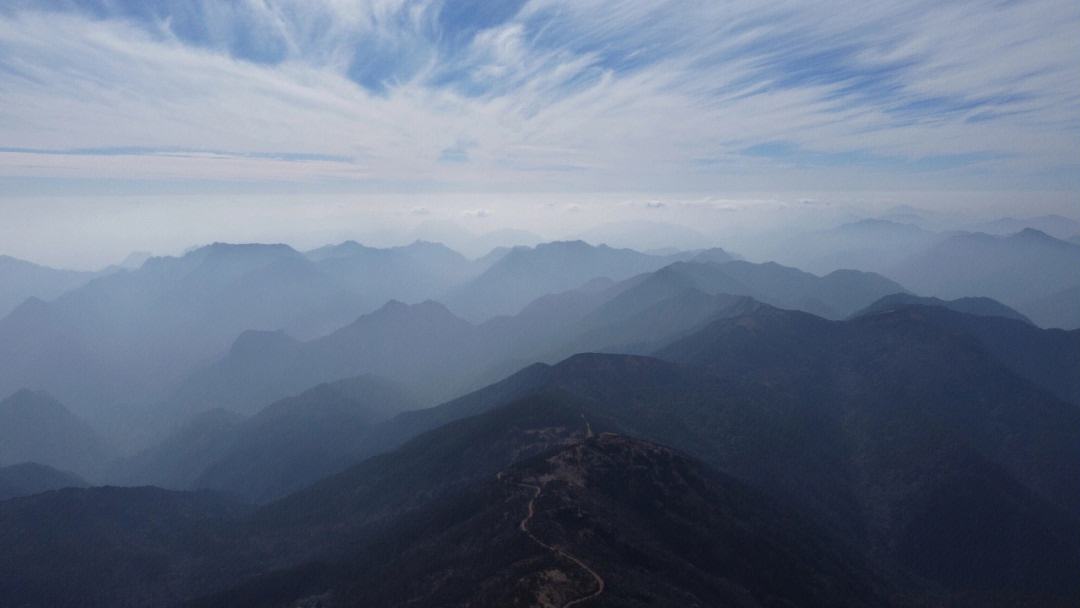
892,429
1050,358
111,546
439,523
608,521
29,478
34,427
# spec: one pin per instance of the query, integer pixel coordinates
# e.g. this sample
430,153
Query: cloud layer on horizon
583,95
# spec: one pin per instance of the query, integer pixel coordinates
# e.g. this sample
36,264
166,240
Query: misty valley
550,425
539,304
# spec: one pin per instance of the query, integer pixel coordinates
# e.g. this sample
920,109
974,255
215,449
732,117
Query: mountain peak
220,249
255,341
978,306
1032,233
575,245
31,308
25,398
428,309
713,255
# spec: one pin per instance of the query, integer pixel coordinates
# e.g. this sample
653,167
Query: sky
128,123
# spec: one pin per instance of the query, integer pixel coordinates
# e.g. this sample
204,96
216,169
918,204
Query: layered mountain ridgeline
1055,225
1025,270
1061,307
982,307
922,467
878,427
872,244
440,355
127,339
1048,357
22,280
283,447
411,273
526,273
203,454
34,427
29,478
439,522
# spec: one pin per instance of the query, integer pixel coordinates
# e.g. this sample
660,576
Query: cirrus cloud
542,94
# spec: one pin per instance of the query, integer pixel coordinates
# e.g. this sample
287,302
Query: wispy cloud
575,95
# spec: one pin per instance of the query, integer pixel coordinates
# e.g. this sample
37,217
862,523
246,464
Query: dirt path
524,527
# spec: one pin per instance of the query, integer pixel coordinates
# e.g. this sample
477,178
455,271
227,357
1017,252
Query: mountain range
439,355
22,280
1026,270
565,425
29,478
34,427
882,460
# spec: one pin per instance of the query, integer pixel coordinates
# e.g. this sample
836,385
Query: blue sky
583,95
337,97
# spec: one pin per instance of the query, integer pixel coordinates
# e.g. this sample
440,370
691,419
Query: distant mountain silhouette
1059,309
20,280
298,440
1018,270
526,273
34,427
286,445
1054,225
177,460
439,355
834,295
411,273
126,337
422,345
134,260
645,235
29,478
983,307
870,244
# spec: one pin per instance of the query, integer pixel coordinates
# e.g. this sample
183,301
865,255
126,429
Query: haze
153,126
539,303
